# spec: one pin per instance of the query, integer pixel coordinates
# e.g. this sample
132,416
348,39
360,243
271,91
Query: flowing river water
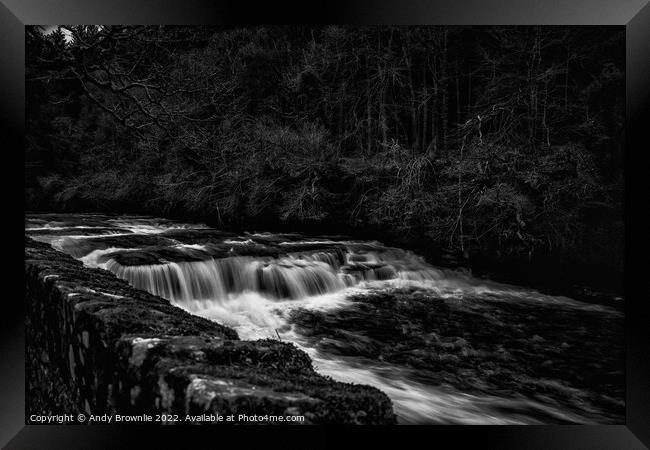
446,347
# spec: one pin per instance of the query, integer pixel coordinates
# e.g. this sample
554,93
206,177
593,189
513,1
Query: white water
255,295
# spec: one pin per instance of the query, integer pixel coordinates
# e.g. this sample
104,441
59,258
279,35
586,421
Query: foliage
503,140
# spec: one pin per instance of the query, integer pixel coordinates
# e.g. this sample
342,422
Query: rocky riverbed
482,345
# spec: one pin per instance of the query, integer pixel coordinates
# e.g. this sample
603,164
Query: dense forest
505,142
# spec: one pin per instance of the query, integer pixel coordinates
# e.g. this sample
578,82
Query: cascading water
255,283
215,279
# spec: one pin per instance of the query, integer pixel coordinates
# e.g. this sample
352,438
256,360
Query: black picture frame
634,15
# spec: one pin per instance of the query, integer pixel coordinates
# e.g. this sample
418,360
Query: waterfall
214,279
295,276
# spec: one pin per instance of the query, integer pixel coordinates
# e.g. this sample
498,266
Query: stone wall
97,346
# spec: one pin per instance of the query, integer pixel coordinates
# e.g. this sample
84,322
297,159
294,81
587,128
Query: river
446,347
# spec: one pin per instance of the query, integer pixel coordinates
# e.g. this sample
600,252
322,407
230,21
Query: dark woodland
497,145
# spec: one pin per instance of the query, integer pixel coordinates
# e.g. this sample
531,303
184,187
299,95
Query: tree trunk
382,108
444,106
414,138
369,113
425,110
434,110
